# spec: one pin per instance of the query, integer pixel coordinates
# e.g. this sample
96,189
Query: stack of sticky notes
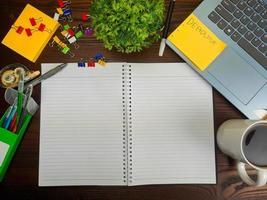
197,42
31,32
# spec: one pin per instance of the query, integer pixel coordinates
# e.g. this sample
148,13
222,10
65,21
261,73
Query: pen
24,112
9,113
13,111
20,93
166,27
46,75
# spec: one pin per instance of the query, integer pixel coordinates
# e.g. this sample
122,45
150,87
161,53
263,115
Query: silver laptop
240,71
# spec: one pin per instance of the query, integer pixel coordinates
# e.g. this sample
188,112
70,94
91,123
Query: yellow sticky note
197,42
30,46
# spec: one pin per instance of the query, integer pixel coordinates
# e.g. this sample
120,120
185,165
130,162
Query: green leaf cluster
127,25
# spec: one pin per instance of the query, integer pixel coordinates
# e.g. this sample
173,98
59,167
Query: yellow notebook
31,46
197,42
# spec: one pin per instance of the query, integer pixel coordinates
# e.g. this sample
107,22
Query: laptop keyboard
245,22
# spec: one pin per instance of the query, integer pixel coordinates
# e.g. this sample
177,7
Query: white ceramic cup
233,138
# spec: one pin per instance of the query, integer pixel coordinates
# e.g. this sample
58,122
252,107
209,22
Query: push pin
19,29
88,31
34,21
91,63
81,63
43,28
85,17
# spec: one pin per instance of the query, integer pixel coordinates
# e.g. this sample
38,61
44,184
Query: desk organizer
10,141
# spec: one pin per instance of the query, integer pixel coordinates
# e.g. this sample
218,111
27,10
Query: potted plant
127,25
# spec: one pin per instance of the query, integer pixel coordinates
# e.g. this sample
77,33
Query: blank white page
81,136
172,126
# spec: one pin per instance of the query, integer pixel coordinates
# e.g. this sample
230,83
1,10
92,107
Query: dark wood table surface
21,180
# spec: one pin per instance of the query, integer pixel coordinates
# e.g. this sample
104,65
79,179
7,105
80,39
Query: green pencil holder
10,141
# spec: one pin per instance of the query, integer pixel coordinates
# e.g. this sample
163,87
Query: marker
166,28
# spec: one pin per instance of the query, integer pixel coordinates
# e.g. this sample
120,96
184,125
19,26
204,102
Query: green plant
127,25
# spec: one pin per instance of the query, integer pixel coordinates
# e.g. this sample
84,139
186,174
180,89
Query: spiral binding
125,127
127,123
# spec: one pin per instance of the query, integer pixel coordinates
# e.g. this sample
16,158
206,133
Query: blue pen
7,116
8,113
8,121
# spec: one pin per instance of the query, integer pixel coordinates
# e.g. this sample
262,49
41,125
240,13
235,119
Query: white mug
246,142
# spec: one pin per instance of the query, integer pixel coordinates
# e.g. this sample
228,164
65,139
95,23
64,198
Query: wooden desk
22,177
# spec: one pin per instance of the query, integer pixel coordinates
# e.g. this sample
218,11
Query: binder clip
19,29
67,14
102,62
100,59
42,28
91,63
34,21
62,3
63,48
81,63
98,56
70,38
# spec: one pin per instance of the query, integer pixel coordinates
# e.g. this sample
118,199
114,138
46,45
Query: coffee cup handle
242,172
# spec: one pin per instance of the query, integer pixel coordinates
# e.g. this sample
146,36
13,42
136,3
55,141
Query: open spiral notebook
126,124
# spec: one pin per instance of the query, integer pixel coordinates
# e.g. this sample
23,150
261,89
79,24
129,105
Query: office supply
29,45
166,27
20,93
13,124
134,124
47,75
241,26
9,141
4,124
28,94
9,76
62,47
10,117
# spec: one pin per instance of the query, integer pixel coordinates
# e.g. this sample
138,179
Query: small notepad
126,124
32,46
193,38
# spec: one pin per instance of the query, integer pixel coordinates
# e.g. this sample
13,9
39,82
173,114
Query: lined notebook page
81,139
172,126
